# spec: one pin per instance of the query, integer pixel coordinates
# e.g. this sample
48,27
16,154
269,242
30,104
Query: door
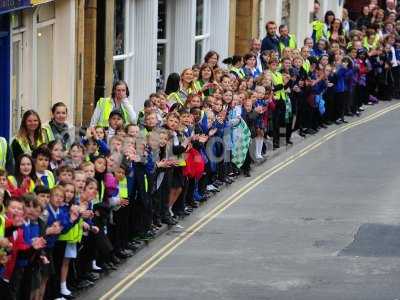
16,86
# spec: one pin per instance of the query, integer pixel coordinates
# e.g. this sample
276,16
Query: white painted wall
219,30
64,56
143,70
299,22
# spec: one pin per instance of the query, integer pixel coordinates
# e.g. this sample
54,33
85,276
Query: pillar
219,39
271,10
300,19
183,28
143,70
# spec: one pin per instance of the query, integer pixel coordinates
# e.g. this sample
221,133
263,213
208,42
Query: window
119,40
45,20
202,29
161,44
123,20
16,20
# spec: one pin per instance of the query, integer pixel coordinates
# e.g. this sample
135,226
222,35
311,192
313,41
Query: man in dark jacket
271,40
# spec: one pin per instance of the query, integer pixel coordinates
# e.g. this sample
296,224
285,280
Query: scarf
60,131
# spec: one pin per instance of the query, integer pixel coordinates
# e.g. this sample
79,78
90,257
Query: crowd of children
73,206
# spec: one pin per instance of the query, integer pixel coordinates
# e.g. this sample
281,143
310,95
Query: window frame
204,38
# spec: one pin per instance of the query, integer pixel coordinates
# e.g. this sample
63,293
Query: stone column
300,19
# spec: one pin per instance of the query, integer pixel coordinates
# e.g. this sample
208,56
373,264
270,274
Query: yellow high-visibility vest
13,181
26,148
277,79
106,107
3,152
292,43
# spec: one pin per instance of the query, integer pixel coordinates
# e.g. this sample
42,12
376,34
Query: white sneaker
64,290
211,188
95,267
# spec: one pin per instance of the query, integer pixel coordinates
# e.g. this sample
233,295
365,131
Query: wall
5,75
247,25
64,55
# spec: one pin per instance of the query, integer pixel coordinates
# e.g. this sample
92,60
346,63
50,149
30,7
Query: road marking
156,258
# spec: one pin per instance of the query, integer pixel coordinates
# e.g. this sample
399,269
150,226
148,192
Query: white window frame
37,25
128,55
14,32
204,38
166,41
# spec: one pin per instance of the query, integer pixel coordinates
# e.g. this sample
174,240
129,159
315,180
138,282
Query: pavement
325,226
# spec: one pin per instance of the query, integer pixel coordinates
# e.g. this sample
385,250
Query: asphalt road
292,236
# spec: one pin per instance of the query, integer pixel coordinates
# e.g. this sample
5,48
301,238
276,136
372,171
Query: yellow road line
156,258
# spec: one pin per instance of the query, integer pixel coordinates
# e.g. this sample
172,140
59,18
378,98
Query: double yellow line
156,258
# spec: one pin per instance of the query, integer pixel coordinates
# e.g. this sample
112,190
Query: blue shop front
6,7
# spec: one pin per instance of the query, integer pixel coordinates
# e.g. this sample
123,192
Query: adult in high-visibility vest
286,40
118,101
281,99
58,128
306,68
186,87
29,136
6,157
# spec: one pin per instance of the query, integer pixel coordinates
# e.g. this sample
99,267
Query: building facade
74,50
41,47
252,15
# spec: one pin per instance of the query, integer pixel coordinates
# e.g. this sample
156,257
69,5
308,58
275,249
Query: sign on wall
10,5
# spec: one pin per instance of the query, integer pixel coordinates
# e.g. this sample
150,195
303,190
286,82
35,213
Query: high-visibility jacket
74,234
100,196
2,226
238,72
48,133
123,188
26,148
106,107
292,43
181,95
13,181
279,91
307,66
3,153
374,45
50,179
319,30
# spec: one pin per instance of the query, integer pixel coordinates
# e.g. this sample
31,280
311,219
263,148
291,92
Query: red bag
194,164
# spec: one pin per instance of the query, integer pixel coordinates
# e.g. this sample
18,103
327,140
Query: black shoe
111,266
227,180
128,252
276,146
132,247
169,221
92,276
344,121
218,183
157,223
83,284
302,134
193,204
121,255
115,260
246,173
324,126
289,142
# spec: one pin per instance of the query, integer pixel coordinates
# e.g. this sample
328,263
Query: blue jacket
63,218
270,43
